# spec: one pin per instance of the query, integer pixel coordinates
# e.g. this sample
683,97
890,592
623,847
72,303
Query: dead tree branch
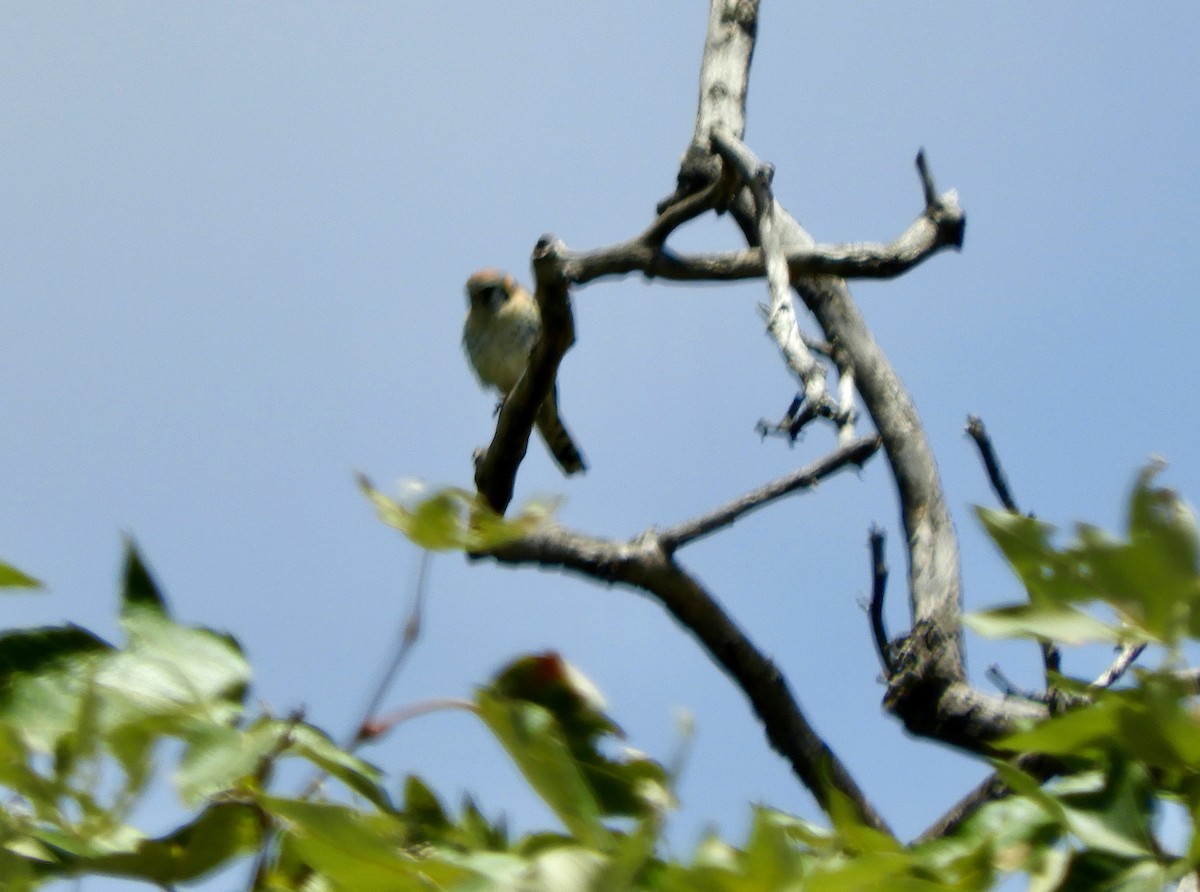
927,683
1126,658
855,453
864,260
644,565
991,463
879,575
781,315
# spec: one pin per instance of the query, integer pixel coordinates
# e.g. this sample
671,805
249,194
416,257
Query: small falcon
503,324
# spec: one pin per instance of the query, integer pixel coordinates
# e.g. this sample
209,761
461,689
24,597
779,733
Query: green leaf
771,860
167,667
219,757
1151,723
1152,579
359,851
359,776
476,832
854,834
1069,734
11,577
28,651
534,741
551,720
1116,814
422,810
455,519
1160,515
221,833
138,589
1043,622
1048,576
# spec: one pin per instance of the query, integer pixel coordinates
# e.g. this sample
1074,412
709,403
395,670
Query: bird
503,324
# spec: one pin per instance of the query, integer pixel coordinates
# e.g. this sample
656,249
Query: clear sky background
233,238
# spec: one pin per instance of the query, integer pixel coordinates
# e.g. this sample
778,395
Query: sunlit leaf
1114,813
11,577
535,742
455,519
1069,734
1043,622
629,785
1025,542
359,776
360,851
218,756
220,833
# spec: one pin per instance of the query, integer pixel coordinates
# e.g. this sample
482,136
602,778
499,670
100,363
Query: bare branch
978,433
496,469
990,789
856,453
781,319
942,210
863,260
933,565
1129,653
1010,688
724,81
879,575
846,411
644,565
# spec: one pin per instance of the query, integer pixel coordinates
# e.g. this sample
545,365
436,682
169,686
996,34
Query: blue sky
233,239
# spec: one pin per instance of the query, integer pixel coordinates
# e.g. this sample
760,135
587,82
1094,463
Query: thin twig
856,453
1129,653
409,635
991,463
377,727
1011,689
879,575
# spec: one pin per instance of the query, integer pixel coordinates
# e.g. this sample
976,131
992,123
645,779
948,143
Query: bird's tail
561,446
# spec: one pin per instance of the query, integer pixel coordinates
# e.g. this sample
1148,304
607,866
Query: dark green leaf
138,589
36,650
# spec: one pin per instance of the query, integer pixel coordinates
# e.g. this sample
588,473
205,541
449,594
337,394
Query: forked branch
644,565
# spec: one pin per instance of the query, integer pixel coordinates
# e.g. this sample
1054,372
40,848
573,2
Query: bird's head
490,288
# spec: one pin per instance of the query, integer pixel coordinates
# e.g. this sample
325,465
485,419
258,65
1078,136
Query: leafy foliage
1150,579
81,720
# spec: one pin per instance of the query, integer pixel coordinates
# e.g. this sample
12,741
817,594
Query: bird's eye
495,294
